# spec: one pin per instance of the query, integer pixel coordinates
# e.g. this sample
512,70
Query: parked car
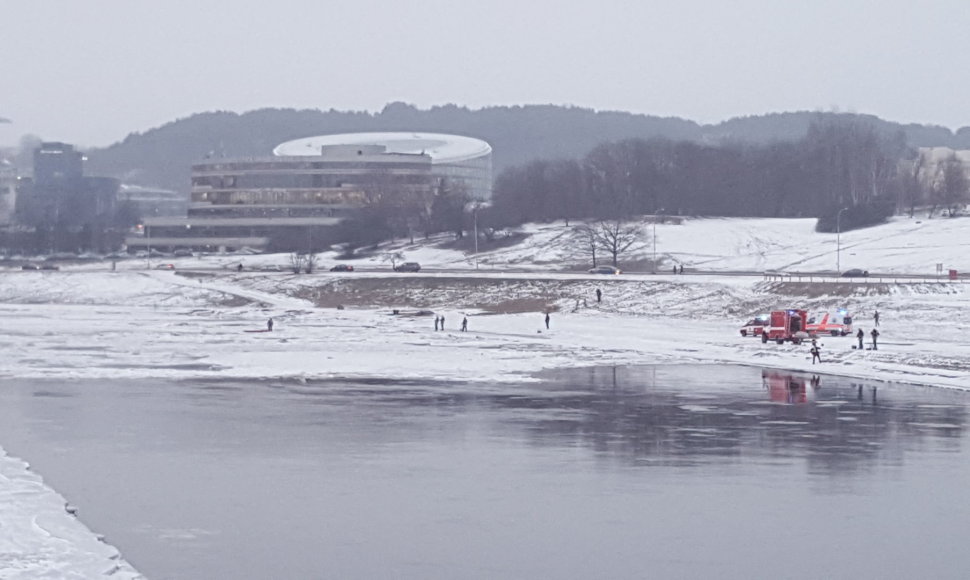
30,267
343,268
165,267
49,267
604,270
855,273
408,267
271,268
183,253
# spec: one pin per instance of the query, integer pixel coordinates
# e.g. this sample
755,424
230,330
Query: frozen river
647,472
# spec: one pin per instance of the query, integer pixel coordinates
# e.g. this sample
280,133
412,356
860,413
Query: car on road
30,267
408,267
49,267
855,273
604,270
182,253
342,268
165,267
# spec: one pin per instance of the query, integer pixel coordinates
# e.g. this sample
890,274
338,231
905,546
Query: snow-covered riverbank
82,323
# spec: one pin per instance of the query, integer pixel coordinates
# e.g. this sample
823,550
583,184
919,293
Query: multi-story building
8,192
70,210
293,200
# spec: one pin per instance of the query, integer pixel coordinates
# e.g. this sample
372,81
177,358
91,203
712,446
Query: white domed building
309,185
463,160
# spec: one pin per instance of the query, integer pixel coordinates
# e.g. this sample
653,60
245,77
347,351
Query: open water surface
645,472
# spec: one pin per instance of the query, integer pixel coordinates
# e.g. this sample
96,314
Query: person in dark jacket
269,325
875,335
860,335
464,324
816,353
599,295
547,321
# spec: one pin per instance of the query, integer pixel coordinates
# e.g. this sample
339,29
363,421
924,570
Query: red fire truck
787,325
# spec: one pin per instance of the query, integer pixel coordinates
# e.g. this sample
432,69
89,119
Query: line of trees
843,166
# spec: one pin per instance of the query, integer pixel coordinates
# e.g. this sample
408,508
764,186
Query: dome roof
440,147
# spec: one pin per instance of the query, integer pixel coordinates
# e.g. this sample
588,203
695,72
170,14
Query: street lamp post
838,241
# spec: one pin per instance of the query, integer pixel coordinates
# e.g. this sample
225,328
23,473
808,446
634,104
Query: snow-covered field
88,321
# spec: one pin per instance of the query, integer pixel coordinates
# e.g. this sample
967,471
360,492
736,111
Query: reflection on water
607,472
673,416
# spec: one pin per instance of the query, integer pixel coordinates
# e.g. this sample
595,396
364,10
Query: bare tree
615,237
310,263
952,185
296,262
588,235
393,258
911,190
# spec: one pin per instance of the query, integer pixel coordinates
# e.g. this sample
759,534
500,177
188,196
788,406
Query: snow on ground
88,321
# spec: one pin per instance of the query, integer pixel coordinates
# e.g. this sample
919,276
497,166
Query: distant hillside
162,156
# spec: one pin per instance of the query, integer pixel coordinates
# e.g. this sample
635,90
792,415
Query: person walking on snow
442,322
875,318
875,335
860,335
547,321
816,353
464,324
269,325
599,295
436,322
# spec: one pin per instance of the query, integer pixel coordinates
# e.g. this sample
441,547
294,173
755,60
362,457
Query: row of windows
277,197
249,211
305,165
295,181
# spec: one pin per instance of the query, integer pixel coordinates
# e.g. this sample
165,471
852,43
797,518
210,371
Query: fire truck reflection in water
787,388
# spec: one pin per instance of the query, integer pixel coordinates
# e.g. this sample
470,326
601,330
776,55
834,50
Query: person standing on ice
547,321
436,322
860,335
464,324
816,353
599,295
875,318
442,322
269,325
875,335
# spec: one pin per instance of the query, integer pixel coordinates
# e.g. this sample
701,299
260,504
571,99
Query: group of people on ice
860,335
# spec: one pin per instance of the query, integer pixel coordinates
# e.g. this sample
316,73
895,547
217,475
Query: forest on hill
162,156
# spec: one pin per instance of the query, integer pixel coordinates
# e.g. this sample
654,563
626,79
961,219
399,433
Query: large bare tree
615,237
952,186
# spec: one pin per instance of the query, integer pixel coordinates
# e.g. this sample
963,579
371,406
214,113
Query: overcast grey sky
91,72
